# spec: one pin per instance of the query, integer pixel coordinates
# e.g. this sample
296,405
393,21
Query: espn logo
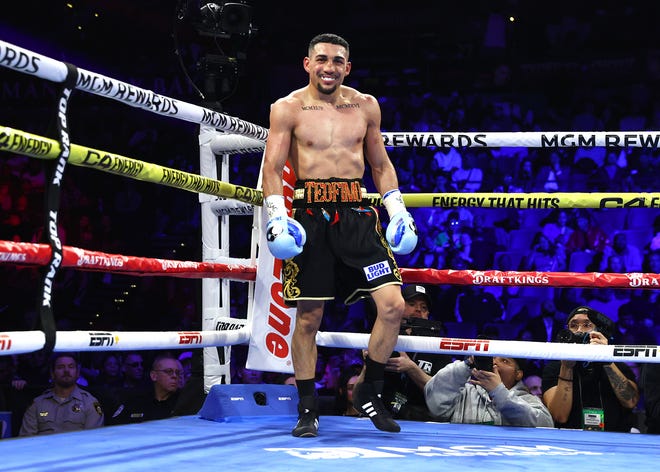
636,351
464,345
5,342
193,337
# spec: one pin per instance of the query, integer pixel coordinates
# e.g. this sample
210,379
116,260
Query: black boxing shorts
345,254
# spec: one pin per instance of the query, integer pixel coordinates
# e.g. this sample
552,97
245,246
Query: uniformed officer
65,406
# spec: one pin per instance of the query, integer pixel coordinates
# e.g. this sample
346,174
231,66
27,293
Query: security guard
65,406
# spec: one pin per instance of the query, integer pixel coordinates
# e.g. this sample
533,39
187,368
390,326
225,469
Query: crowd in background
137,218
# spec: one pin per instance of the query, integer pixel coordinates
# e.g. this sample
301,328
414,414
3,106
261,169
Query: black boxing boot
308,418
367,400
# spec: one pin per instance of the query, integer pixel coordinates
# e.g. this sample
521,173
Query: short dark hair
56,355
521,362
328,38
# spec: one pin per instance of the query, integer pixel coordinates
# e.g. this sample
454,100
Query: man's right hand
285,237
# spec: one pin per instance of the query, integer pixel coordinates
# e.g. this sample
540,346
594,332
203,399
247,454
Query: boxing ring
232,441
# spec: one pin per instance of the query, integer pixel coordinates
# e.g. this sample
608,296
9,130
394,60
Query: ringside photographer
406,374
593,396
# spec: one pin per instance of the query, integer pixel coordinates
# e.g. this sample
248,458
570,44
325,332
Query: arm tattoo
620,384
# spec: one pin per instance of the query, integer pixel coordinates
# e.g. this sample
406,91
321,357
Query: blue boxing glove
284,235
401,233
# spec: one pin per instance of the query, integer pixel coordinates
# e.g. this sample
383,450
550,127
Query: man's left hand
400,364
401,233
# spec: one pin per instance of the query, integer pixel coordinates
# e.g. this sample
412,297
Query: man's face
581,323
166,375
508,370
416,307
134,367
327,66
533,383
65,372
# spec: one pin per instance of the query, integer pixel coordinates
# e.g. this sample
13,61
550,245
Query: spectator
631,255
442,183
448,160
507,185
186,359
344,400
544,256
406,375
133,370
110,376
475,305
65,406
469,178
461,393
526,177
609,177
556,226
553,176
161,401
544,328
250,376
588,395
587,236
449,240
329,383
533,384
615,265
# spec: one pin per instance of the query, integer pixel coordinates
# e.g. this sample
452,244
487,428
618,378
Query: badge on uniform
97,407
76,408
593,419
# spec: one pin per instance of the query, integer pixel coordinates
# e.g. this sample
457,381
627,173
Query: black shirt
401,394
592,389
144,408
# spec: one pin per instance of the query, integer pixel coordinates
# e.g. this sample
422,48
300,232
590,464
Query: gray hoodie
451,398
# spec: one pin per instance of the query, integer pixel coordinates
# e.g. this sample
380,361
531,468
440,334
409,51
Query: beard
66,382
326,91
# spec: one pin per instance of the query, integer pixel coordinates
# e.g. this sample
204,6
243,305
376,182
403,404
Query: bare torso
327,138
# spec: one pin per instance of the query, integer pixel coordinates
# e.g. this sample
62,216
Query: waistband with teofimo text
319,193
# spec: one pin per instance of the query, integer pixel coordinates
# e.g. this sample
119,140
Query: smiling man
333,244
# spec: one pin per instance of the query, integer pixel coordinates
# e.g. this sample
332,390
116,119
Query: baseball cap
411,291
604,324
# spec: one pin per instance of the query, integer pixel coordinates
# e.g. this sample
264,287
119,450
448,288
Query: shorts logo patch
376,270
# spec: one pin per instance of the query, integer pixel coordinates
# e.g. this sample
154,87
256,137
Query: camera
483,363
569,337
422,327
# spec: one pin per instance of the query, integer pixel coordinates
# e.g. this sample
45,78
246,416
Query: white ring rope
534,139
485,347
22,60
19,342
31,63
